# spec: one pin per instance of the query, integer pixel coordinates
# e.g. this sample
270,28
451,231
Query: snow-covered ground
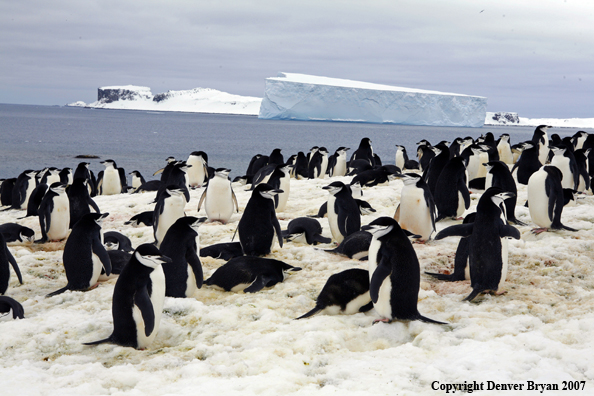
223,343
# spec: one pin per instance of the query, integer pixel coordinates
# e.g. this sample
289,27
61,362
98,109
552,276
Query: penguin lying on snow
346,293
250,274
84,254
9,305
354,246
225,250
305,230
138,298
114,240
394,273
143,218
14,232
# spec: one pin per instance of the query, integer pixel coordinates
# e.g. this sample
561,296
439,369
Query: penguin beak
164,259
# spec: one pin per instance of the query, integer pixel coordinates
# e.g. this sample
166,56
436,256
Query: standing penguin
52,175
417,210
364,152
344,215
527,163
7,260
545,199
451,192
488,254
394,272
401,157
137,179
540,139
276,157
84,254
219,198
54,214
564,159
301,166
170,207
436,166
82,171
23,188
112,180
35,199
66,176
198,171
504,149
80,201
183,276
498,175
337,163
318,164
138,298
258,226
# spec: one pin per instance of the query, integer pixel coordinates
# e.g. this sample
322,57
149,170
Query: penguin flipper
277,230
108,339
462,230
428,320
366,307
257,285
92,203
194,263
235,201
380,273
15,266
445,277
123,182
310,313
100,251
509,231
321,239
202,198
7,304
472,296
143,301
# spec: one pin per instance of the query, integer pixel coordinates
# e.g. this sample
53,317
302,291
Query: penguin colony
436,189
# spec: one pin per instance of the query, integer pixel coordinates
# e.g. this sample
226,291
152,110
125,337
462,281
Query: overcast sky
532,57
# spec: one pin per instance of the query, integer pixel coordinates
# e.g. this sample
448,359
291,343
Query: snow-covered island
508,118
198,100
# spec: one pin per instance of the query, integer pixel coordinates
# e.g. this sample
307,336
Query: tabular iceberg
293,96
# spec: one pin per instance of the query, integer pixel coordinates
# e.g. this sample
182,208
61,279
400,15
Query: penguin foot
383,320
500,293
537,231
93,287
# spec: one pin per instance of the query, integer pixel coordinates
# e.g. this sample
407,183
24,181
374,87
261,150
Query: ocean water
33,137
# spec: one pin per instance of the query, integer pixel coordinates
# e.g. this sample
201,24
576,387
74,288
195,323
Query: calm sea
33,137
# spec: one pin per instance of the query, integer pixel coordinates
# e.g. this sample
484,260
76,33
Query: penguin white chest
562,163
173,209
400,159
157,299
60,218
219,200
111,184
340,167
285,185
383,306
323,167
195,173
415,215
538,202
333,220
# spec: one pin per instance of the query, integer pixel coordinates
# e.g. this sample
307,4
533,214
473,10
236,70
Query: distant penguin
183,275
344,216
66,176
166,171
504,149
364,152
142,219
6,261
52,175
499,175
436,166
581,159
305,230
258,227
35,199
417,209
474,157
84,254
10,306
425,154
564,159
301,166
578,139
224,251
527,163
358,166
137,179
14,232
218,198
488,255
461,267
451,192
318,164
54,214
112,180
377,176
80,201
337,164
138,298
176,177
284,184
23,188
354,246
276,157
6,190
540,139
250,274
198,172
394,273
170,207
545,199
82,171
114,240
401,157
346,292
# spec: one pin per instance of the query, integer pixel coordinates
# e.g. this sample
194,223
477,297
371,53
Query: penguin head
334,187
266,191
194,222
356,189
410,178
150,256
99,217
323,150
54,171
504,137
222,172
112,245
381,226
423,143
108,163
135,173
30,173
342,150
27,235
174,191
58,187
558,150
170,159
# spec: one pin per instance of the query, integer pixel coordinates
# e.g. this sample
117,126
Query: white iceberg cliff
304,97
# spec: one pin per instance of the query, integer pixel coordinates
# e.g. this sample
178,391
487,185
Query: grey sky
532,57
